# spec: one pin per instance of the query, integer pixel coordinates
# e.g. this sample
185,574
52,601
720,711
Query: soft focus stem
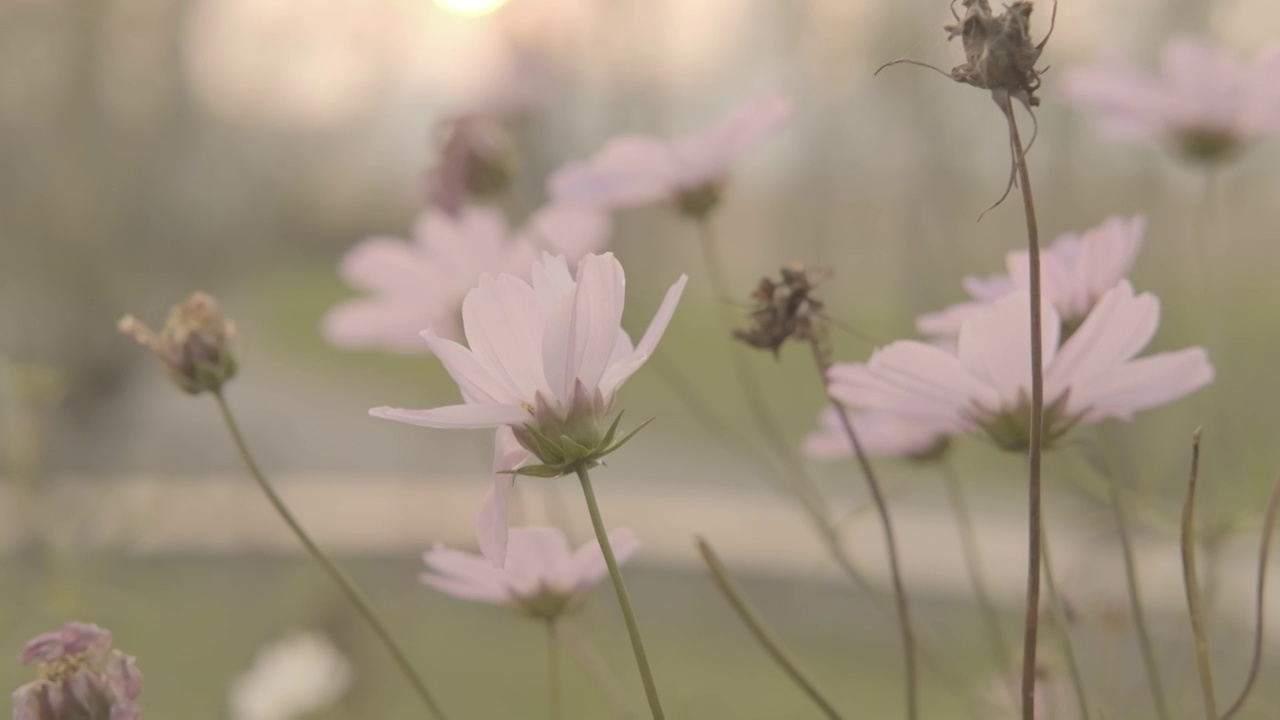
1060,619
1031,628
766,638
1264,551
1192,583
624,600
589,659
553,670
336,574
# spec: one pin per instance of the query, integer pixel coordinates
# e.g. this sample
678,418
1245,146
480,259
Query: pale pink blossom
1204,101
986,384
635,170
879,433
1075,271
80,676
420,284
542,577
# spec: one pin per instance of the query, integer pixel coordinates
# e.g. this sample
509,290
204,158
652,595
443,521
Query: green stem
1031,627
973,564
1135,600
624,600
553,670
1060,619
1192,583
1255,664
766,638
336,574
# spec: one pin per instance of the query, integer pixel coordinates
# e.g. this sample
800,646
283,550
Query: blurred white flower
986,384
291,678
1204,102
879,433
634,170
1055,698
419,285
543,576
1076,270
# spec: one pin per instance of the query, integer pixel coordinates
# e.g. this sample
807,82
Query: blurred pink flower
419,285
1203,101
1076,270
491,521
634,170
543,577
879,433
475,162
80,677
986,384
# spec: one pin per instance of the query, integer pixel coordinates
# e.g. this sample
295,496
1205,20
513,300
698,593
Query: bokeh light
471,7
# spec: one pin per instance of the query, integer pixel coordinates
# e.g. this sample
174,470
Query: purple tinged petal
707,158
491,522
629,171
366,323
568,230
618,372
476,379
460,417
1144,383
504,323
995,345
1118,328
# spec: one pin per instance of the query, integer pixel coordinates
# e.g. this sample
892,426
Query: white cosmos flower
1075,271
986,383
291,678
545,361
879,433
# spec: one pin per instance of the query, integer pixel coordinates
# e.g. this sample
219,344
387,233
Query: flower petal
619,370
1117,328
629,171
588,562
581,336
1142,384
995,345
462,417
476,380
569,230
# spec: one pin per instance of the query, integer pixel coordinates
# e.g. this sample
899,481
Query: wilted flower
635,170
420,285
785,308
476,162
1076,270
546,359
291,678
879,433
195,344
542,577
1204,102
80,678
999,54
985,385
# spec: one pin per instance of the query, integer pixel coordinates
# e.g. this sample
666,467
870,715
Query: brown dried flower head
195,344
476,160
999,54
786,309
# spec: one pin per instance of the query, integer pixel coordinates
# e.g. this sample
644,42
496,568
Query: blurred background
149,148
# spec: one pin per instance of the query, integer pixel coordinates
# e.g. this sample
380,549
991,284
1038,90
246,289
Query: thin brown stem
1191,582
1030,636
1264,551
766,638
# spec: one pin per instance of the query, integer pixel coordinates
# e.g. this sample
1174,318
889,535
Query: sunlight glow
471,7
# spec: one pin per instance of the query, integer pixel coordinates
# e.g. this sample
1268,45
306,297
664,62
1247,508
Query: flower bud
194,345
79,678
565,439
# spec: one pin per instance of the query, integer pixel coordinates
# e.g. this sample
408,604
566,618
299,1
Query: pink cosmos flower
545,363
81,676
420,284
1203,101
1076,270
635,170
986,384
879,433
543,577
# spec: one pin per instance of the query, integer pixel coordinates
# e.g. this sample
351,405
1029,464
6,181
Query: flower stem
1192,583
973,563
1264,551
763,635
589,659
1060,619
336,574
891,547
553,669
1135,599
1031,627
624,600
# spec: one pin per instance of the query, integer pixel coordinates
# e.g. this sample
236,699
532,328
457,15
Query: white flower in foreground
635,170
1055,697
986,384
545,362
542,577
1204,102
1075,271
291,678
879,433
420,284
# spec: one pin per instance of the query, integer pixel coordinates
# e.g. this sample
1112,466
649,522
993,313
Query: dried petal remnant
195,344
785,308
999,54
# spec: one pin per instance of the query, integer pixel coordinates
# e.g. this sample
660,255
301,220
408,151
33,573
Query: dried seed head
999,53
195,344
786,309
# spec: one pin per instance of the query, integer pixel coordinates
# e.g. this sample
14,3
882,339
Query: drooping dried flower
785,308
195,344
80,677
999,54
